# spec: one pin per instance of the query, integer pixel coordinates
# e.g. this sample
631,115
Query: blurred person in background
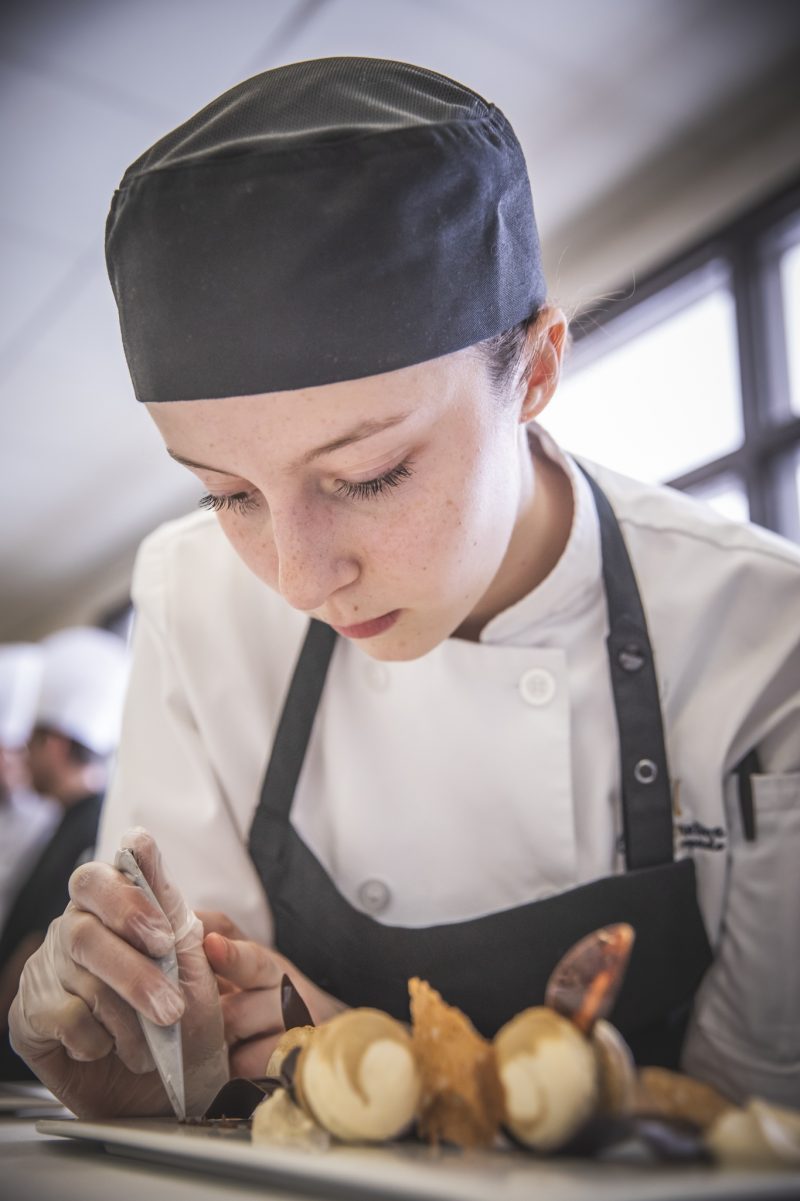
26,819
76,723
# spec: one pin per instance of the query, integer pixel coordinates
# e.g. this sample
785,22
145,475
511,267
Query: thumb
244,963
219,923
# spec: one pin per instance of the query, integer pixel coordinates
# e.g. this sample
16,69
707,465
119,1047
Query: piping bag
164,1041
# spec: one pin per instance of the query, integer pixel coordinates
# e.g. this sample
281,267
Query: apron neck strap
268,829
646,791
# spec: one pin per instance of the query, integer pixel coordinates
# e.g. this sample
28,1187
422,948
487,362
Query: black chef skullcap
324,221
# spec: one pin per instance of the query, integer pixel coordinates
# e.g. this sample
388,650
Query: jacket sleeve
163,779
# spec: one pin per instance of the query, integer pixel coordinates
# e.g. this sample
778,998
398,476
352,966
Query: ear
547,342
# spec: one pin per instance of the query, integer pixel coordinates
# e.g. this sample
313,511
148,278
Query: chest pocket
758,961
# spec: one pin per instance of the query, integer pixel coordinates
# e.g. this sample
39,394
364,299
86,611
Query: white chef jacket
486,774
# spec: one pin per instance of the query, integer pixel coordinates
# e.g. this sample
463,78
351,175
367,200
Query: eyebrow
365,429
173,454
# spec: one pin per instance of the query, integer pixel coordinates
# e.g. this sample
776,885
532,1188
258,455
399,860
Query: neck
541,532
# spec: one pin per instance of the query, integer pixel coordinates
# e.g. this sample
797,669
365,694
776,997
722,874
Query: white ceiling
622,107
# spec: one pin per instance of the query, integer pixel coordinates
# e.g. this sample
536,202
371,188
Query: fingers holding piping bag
80,1037
205,1059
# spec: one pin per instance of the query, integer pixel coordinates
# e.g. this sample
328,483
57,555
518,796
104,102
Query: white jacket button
373,896
537,686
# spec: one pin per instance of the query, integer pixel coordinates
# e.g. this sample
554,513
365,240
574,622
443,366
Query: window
694,379
664,396
790,287
789,495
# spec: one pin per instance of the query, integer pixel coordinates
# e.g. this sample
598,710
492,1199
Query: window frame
750,246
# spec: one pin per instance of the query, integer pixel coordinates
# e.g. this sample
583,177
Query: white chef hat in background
83,686
21,665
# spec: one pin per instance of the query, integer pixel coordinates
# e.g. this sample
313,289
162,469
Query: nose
311,565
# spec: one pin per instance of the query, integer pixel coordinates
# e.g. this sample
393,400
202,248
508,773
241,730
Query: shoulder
721,596
191,586
185,545
189,562
664,520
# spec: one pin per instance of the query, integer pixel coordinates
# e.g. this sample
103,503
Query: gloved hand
73,1020
249,977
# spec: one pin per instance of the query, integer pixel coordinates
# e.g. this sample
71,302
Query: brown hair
510,356
504,354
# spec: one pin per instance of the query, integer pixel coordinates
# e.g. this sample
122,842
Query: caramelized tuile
462,1096
585,982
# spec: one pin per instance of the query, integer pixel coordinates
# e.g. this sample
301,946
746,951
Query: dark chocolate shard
239,1097
584,984
294,1010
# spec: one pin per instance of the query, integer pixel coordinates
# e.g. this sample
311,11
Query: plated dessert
556,1079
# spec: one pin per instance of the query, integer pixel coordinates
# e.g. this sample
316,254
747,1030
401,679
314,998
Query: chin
401,646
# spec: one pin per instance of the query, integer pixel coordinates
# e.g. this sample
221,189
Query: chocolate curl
238,1097
294,1010
288,1072
584,984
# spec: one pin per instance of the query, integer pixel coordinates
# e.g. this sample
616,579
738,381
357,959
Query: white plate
408,1170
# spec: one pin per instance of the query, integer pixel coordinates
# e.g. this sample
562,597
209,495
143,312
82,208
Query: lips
369,629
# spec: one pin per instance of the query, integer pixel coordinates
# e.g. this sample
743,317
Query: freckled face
413,519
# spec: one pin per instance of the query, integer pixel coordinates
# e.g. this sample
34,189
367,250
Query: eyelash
238,502
245,502
367,489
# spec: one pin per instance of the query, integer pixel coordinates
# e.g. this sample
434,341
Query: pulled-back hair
504,354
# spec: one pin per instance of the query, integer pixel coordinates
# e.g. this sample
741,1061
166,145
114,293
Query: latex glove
249,977
73,1020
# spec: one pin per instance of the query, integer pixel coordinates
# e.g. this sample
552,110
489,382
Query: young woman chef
416,693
